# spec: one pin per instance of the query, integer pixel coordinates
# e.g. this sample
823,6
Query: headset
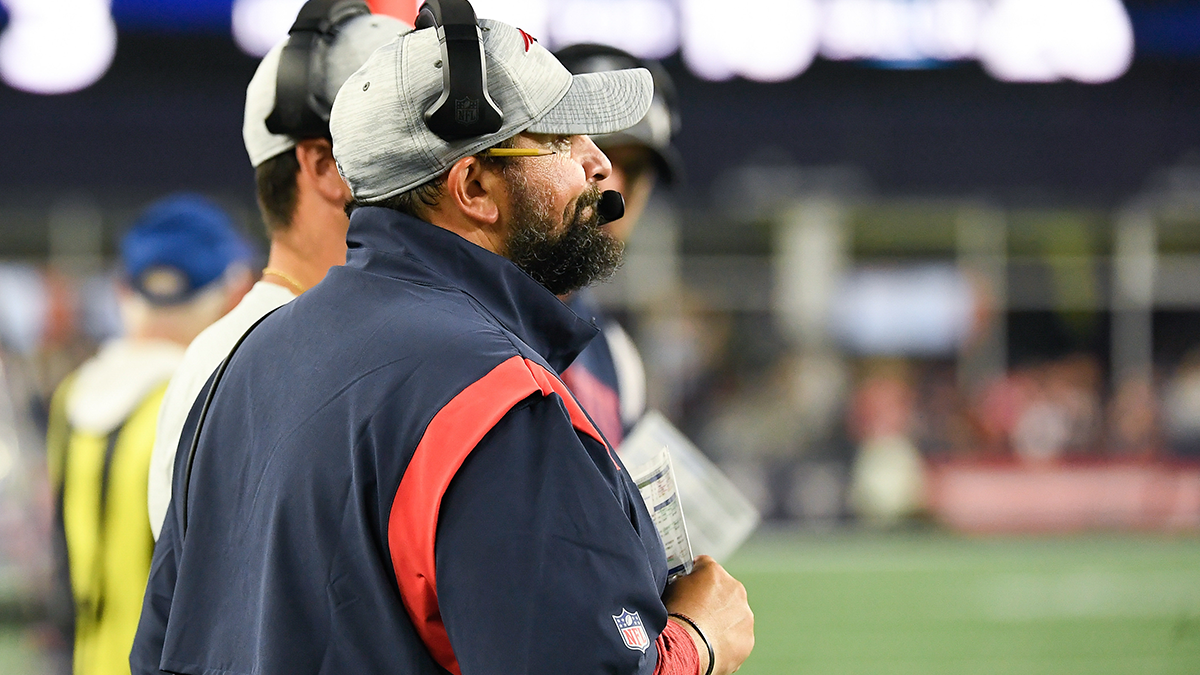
301,104
465,109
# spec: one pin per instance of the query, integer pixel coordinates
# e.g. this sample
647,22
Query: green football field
936,604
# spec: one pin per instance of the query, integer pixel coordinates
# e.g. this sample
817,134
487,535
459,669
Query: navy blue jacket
393,479
594,378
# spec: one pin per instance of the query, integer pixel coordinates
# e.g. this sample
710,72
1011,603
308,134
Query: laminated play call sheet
676,479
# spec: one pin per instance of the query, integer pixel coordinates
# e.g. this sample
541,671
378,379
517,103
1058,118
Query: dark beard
580,255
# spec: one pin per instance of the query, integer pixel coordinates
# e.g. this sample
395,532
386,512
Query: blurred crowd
805,433
1054,409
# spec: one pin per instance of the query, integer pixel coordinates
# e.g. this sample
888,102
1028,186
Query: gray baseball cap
380,140
354,43
661,123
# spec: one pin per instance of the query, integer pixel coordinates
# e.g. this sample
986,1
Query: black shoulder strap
182,498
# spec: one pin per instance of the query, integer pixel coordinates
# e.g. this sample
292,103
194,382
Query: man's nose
595,162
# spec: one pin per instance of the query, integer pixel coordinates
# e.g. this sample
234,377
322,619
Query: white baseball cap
355,41
383,146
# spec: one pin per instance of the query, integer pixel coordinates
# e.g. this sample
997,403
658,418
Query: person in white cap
300,194
409,487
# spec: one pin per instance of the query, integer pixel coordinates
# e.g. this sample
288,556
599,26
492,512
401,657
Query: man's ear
319,170
476,190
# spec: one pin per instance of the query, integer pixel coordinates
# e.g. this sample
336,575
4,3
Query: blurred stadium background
930,294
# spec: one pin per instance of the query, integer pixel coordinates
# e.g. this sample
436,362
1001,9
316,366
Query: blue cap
179,245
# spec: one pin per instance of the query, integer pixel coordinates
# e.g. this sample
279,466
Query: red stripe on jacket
451,435
600,400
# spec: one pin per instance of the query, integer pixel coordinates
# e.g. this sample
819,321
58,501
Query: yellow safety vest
100,485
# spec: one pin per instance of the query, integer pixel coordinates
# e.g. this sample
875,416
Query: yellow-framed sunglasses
518,152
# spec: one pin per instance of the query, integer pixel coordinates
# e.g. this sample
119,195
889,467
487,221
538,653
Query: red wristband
677,653
688,620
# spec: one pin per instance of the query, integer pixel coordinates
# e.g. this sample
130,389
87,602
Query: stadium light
948,29
646,28
849,29
259,24
56,48
531,16
65,45
899,30
1098,46
716,48
1046,40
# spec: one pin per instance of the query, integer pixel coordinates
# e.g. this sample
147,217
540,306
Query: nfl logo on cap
632,632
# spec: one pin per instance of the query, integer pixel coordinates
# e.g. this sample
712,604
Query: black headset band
464,109
324,16
442,12
301,104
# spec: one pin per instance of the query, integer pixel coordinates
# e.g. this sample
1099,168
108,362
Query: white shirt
202,357
113,383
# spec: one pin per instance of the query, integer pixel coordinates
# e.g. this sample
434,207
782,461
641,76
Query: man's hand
717,603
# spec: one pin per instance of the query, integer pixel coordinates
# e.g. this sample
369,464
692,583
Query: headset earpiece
464,110
301,105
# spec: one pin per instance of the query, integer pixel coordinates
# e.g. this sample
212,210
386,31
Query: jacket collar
387,242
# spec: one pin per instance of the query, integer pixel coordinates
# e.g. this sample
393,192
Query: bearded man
390,476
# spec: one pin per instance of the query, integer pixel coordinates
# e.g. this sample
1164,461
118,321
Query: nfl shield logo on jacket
632,632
